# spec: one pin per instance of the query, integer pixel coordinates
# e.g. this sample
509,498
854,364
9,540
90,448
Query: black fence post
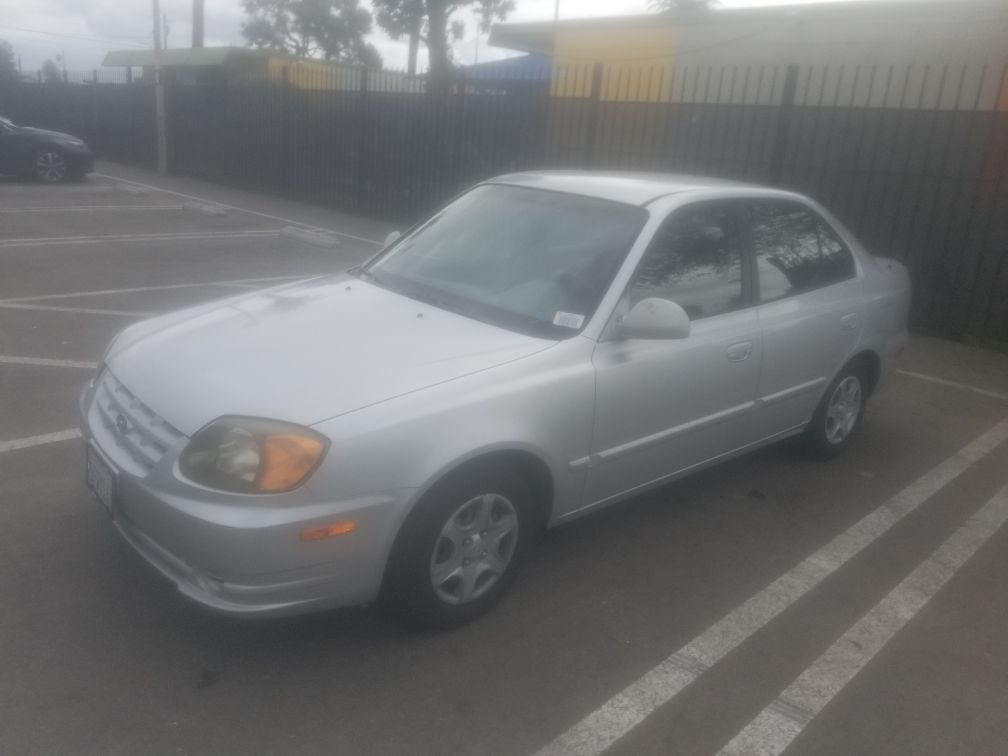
285,150
459,132
170,112
593,113
363,139
783,124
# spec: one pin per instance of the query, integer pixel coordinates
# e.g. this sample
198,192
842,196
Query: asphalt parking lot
856,606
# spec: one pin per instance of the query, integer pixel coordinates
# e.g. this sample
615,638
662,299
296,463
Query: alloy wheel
50,166
843,410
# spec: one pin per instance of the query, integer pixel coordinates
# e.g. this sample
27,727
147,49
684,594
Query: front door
663,406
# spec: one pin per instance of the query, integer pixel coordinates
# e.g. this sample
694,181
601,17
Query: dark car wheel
839,413
461,548
49,165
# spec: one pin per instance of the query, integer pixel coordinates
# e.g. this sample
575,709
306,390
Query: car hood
302,353
46,132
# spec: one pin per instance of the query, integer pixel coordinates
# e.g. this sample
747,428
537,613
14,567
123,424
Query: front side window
795,250
695,260
531,260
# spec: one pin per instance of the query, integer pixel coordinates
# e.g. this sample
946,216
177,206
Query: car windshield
527,259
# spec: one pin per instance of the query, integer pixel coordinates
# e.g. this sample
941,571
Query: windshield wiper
430,299
364,273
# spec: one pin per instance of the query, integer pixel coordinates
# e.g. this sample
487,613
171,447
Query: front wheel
461,548
49,165
838,415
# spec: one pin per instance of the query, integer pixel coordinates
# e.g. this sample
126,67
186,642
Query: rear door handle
849,322
739,352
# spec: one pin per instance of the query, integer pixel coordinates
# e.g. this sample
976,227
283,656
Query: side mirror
392,237
655,318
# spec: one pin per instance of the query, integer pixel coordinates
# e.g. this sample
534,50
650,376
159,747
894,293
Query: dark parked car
47,156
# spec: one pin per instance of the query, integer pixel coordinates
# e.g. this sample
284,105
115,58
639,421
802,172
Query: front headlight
70,142
250,455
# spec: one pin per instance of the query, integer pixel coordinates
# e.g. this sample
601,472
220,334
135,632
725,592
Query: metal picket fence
913,158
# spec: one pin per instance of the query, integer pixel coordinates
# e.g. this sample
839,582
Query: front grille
134,426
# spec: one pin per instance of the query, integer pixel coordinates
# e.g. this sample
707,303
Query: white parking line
161,287
954,384
45,438
105,238
64,189
631,706
782,721
78,310
10,359
84,208
242,209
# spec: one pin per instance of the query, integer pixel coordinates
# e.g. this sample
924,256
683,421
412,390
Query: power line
102,40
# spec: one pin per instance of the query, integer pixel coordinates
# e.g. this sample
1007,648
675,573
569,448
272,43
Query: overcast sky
86,29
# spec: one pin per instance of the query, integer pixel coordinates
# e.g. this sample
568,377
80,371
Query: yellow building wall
636,62
302,74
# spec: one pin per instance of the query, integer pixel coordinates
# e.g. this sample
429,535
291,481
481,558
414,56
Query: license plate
101,480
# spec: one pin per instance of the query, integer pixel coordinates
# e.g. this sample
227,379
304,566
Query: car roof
628,187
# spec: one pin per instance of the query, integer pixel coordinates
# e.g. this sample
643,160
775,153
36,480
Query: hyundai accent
544,346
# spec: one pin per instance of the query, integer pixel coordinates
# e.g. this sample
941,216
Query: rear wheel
839,413
461,548
49,165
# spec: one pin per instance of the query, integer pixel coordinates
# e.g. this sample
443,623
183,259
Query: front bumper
242,554
81,162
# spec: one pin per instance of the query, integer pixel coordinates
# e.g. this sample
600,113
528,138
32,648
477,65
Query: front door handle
739,352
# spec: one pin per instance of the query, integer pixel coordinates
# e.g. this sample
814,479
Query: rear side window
695,260
795,250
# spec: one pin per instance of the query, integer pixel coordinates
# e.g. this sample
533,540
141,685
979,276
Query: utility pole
165,28
159,101
197,23
556,12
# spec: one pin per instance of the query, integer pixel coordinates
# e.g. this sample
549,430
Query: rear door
665,405
810,309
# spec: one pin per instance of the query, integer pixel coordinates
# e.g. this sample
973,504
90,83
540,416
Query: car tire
839,413
50,166
461,548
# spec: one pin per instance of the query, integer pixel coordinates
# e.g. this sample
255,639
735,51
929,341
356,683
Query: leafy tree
8,69
403,18
328,29
51,73
430,22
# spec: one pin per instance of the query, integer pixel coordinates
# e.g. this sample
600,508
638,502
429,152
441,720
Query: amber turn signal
328,531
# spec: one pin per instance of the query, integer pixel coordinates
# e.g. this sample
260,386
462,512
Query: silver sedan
546,345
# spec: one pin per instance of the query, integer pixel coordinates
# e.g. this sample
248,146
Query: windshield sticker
568,320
